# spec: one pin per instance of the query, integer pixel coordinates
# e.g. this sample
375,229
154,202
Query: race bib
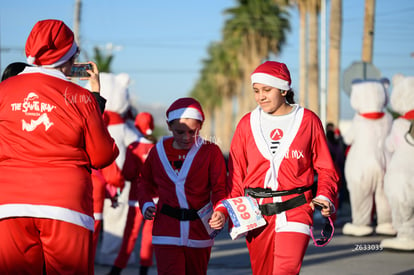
205,214
245,215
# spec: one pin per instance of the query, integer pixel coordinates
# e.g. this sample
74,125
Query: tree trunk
335,37
313,67
303,91
226,122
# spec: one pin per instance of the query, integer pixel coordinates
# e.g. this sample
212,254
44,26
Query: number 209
241,208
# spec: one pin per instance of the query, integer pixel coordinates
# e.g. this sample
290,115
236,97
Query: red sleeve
132,163
135,157
218,175
113,175
323,164
237,161
99,145
145,182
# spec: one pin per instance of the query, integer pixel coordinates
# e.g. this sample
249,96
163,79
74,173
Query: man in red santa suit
51,135
135,157
278,147
187,173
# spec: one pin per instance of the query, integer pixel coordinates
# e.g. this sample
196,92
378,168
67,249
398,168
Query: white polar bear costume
366,159
399,177
114,88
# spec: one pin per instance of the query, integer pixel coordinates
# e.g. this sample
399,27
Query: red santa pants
180,260
132,228
287,248
98,183
27,245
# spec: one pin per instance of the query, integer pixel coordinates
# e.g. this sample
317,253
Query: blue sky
161,44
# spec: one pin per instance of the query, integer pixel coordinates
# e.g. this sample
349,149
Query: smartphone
319,205
79,70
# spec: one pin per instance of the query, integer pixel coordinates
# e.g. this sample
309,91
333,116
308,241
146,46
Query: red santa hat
144,123
185,107
272,73
50,43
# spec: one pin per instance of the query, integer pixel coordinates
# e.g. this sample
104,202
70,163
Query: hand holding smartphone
80,70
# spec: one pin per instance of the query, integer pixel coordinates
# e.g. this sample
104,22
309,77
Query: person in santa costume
114,87
51,134
276,150
399,176
365,162
187,173
136,155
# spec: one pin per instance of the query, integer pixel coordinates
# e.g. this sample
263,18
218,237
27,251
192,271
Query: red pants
29,244
181,260
276,252
98,183
132,228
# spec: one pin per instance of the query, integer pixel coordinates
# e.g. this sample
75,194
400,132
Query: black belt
180,213
259,193
270,209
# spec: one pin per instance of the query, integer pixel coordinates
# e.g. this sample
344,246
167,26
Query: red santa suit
51,135
200,179
115,89
252,164
136,155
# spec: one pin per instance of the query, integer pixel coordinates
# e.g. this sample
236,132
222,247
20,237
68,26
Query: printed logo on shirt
294,154
275,136
32,106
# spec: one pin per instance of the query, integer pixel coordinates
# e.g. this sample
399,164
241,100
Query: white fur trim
270,80
68,55
63,59
48,212
98,216
295,227
178,241
133,203
185,113
31,60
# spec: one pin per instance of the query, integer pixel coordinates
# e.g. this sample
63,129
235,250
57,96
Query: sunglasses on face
327,234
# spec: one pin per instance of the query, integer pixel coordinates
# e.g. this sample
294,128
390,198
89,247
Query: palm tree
335,35
219,76
103,61
258,28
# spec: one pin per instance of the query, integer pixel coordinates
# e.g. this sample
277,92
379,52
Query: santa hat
50,43
274,74
185,107
144,123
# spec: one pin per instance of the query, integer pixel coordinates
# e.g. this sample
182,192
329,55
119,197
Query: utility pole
368,38
76,23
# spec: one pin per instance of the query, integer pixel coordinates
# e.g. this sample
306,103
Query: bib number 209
241,208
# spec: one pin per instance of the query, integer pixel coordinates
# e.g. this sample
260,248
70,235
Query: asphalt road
344,255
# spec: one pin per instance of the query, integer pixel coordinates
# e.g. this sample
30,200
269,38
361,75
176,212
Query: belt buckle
183,215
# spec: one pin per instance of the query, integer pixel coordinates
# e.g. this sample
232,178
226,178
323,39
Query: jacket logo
32,106
276,134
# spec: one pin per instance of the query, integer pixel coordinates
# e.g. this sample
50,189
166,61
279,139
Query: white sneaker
357,230
398,244
385,229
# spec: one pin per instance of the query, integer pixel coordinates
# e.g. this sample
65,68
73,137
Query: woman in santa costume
135,157
51,135
187,173
276,150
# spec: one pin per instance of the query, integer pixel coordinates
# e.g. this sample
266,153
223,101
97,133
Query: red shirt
51,135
